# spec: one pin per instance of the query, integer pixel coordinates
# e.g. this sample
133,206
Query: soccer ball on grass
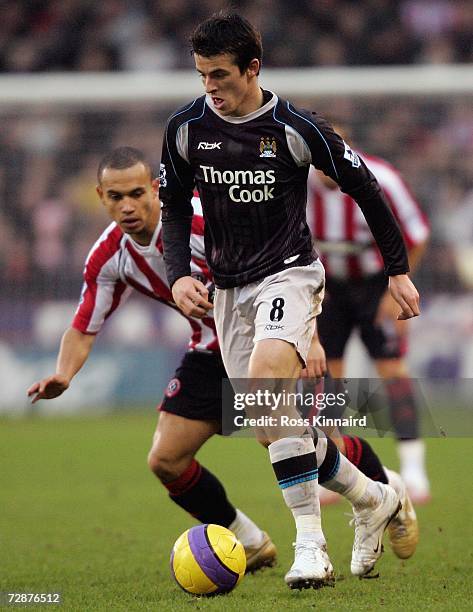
208,560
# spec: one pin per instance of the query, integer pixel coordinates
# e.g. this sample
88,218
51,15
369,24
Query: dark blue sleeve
176,185
333,156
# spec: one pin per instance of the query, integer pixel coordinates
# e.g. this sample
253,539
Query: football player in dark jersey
248,152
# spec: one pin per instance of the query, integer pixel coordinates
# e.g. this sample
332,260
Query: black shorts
350,305
195,391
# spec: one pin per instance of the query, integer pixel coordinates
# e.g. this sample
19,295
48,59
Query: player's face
231,92
131,200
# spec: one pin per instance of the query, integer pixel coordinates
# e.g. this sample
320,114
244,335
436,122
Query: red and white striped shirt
341,234
116,265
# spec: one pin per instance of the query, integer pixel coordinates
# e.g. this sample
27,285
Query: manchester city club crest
267,146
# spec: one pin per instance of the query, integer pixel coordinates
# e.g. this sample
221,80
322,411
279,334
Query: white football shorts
283,306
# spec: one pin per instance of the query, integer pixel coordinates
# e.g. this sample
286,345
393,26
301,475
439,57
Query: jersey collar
151,247
257,113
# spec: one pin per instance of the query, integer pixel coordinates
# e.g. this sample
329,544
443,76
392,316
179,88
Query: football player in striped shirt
129,256
248,152
357,297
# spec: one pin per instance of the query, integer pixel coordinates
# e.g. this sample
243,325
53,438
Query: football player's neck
252,101
142,238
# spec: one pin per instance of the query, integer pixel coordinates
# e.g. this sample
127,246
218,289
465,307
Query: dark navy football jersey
251,174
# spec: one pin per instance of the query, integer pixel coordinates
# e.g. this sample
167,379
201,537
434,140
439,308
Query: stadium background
53,133
80,512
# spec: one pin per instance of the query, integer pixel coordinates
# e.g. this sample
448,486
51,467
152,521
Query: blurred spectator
49,160
152,34
49,209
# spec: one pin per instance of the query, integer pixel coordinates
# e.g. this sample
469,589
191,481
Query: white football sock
301,497
249,534
360,490
395,481
411,456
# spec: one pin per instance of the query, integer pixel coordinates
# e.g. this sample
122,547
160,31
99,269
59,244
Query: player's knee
166,468
263,440
280,360
268,366
335,367
266,370
391,368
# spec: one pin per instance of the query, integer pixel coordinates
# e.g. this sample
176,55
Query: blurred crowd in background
53,214
50,212
39,35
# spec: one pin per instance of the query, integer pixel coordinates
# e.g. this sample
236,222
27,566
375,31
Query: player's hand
316,365
404,292
191,296
48,388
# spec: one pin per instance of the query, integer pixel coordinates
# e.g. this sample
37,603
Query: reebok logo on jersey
243,177
351,156
209,145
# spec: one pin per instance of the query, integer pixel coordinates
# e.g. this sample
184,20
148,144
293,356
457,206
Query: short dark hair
121,158
228,33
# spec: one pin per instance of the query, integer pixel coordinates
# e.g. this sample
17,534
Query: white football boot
370,524
311,567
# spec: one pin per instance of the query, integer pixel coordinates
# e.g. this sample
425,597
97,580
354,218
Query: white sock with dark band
295,465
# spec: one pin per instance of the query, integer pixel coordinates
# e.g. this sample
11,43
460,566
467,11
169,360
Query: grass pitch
82,515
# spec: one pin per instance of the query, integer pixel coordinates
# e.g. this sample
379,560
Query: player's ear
99,190
253,68
155,185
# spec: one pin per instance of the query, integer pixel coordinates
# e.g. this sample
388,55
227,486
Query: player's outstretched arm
404,292
191,296
73,352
